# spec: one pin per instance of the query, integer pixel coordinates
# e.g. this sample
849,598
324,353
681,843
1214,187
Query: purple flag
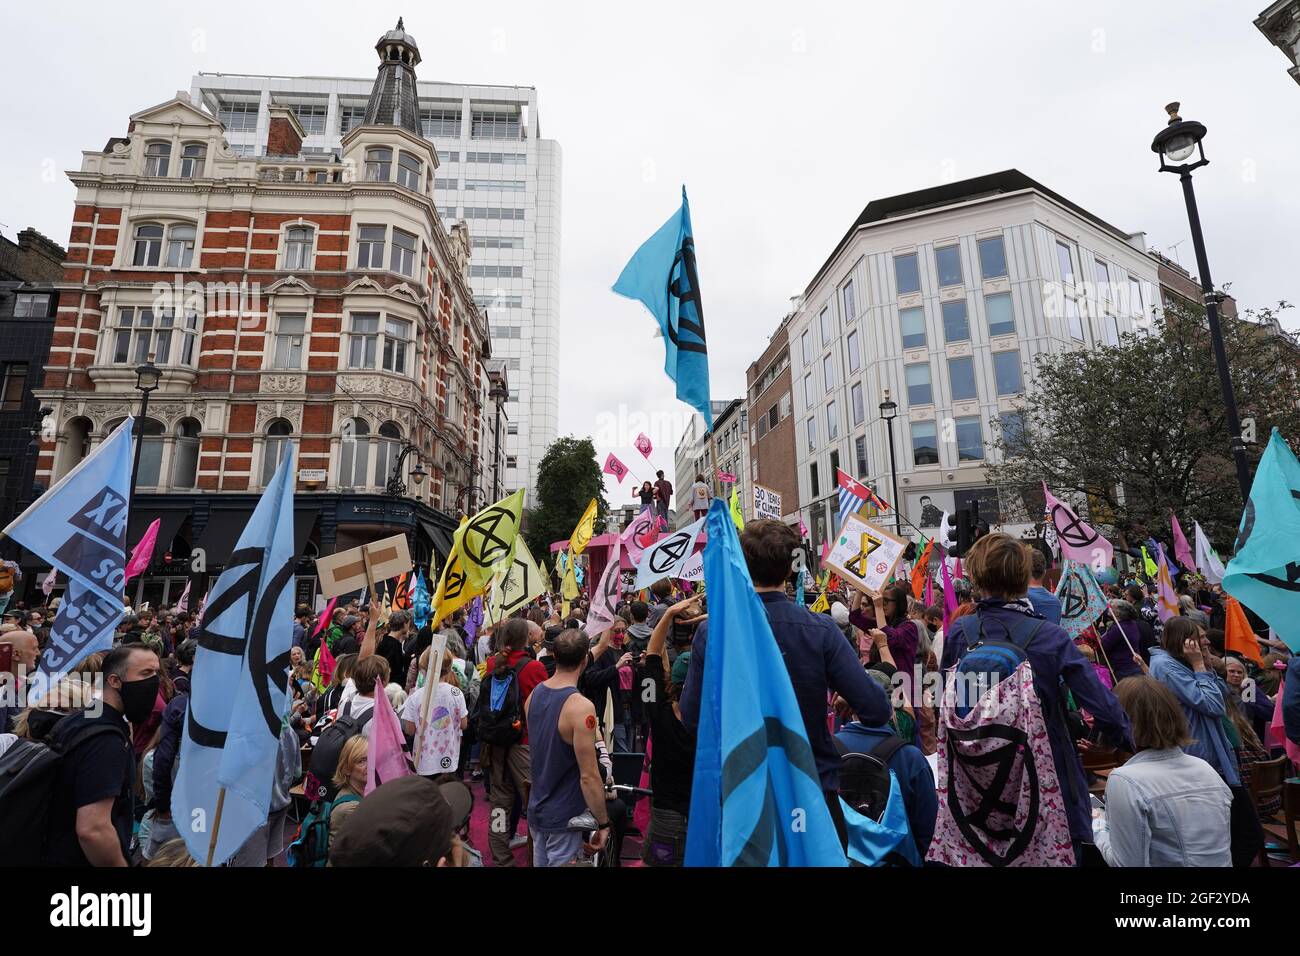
1182,551
474,619
1078,541
949,592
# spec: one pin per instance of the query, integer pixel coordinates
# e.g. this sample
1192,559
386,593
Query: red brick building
313,299
771,425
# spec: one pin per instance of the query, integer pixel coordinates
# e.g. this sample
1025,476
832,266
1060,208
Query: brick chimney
284,134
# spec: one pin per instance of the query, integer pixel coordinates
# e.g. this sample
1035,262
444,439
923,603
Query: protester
26,655
672,764
647,495
1164,807
406,822
350,781
701,495
448,718
1122,640
663,494
1046,604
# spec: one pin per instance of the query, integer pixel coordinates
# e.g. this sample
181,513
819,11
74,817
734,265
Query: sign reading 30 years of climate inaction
864,555
767,503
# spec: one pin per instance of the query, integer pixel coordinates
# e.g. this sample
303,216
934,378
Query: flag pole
435,668
216,825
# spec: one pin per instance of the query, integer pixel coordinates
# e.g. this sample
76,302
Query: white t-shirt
440,749
358,707
701,491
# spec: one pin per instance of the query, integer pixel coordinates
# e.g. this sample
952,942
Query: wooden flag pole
433,672
216,825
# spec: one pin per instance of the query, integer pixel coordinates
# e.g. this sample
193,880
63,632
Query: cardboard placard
865,555
767,503
345,571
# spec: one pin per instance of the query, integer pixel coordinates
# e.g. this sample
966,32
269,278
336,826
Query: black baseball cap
405,822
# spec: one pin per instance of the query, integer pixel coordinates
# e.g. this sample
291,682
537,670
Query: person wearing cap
564,769
672,762
411,821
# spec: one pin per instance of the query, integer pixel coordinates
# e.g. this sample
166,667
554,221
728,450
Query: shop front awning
439,537
169,522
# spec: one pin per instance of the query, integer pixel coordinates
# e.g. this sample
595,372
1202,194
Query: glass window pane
850,302
1001,316
812,434
956,325
828,372
993,258
806,339
828,327
919,390
855,357
961,376
809,393
859,410
970,440
925,447
947,262
912,322
1006,370
832,422
906,275
860,453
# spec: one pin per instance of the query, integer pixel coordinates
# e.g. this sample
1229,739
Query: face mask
138,697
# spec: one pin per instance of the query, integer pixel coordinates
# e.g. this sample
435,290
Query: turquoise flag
1264,573
756,799
664,277
1082,599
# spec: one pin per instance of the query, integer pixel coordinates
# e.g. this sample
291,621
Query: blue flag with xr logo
756,799
239,687
663,276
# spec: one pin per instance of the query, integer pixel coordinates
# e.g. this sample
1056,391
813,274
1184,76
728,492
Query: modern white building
496,173
944,298
694,455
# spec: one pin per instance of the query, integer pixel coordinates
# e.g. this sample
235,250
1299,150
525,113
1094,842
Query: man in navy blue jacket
915,779
1291,701
817,657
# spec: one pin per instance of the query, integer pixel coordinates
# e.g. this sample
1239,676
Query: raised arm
368,642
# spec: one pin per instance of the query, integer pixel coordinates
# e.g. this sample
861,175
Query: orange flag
401,597
921,571
1239,637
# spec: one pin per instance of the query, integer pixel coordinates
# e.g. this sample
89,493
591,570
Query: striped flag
854,494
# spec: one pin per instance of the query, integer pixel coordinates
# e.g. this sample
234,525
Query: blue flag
421,605
79,526
663,275
238,691
1264,573
1082,599
756,799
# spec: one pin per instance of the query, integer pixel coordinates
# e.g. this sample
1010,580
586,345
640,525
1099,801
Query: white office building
496,173
695,455
945,297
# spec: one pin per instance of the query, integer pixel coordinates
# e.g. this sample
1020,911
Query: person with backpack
325,819
90,815
511,677
990,650
168,750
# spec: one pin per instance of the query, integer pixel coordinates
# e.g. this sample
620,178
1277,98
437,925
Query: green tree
1140,428
567,479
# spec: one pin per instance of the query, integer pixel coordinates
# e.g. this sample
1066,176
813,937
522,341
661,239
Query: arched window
379,164
156,157
354,454
390,443
297,247
408,171
185,458
148,244
180,246
76,444
276,446
192,155
151,454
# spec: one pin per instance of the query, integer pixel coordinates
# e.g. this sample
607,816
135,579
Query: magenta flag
142,553
616,468
949,594
1166,596
726,476
1078,541
325,616
384,755
643,445
1275,734
803,528
641,532
1181,549
957,570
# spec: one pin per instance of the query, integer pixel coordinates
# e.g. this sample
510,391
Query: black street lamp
889,411
147,377
396,487
1175,144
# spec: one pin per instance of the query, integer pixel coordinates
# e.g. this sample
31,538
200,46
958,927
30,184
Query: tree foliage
567,479
1140,428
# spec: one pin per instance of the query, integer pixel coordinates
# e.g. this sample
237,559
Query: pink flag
957,570
803,528
949,594
1181,549
384,755
203,606
616,468
643,445
641,815
604,600
48,584
324,616
1078,541
1166,596
639,535
1275,735
826,549
142,553
726,476
183,604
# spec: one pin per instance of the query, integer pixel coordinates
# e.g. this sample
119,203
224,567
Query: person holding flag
774,653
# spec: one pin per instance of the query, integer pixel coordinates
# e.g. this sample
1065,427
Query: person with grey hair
1122,643
1189,609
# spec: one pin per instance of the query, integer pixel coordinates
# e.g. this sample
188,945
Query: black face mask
138,697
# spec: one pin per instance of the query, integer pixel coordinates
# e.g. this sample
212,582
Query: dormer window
408,171
297,247
192,155
156,157
379,165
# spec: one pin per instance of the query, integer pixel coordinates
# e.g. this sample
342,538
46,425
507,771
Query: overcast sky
782,119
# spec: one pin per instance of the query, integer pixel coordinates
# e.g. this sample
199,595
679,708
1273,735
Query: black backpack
500,708
29,773
864,777
329,746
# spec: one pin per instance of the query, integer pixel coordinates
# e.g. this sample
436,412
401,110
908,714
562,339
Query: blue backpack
311,849
988,661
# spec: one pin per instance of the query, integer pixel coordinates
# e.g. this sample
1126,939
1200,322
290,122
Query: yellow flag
516,583
821,604
569,587
736,514
583,532
454,590
489,539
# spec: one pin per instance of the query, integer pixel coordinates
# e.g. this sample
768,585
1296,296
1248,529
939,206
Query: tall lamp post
396,487
147,377
498,394
1175,144
889,411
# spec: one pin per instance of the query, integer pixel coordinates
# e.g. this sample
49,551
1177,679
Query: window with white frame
390,444
312,117
859,407
180,246
185,454
354,454
290,335
148,244
855,352
812,434
238,116
832,422
849,299
153,439
298,241
350,117
496,185
1065,261
379,164
140,332
405,248
30,305
157,155
860,455
441,122
397,345
809,391
947,262
192,155
828,372
494,124
370,247
408,171
363,340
